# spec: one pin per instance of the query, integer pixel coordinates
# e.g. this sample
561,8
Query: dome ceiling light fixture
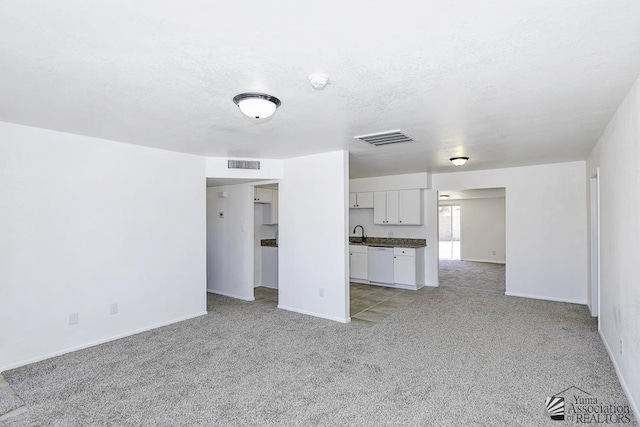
459,161
257,105
444,196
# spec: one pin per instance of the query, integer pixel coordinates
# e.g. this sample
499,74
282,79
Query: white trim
314,314
225,294
362,281
268,286
100,341
625,388
484,260
571,301
432,285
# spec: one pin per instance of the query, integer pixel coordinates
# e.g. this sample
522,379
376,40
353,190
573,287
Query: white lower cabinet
269,276
408,267
358,263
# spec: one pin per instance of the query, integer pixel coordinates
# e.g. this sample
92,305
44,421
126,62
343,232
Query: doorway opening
449,231
241,215
594,247
265,259
472,239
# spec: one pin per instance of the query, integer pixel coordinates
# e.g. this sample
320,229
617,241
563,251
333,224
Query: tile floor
369,303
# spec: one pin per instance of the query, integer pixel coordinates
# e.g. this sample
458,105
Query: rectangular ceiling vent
244,164
385,138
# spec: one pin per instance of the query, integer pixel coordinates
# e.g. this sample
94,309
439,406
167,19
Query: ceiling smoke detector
318,80
257,105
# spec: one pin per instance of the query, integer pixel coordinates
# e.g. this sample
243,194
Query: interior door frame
594,246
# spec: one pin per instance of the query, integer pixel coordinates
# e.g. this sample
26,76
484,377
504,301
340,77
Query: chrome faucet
364,238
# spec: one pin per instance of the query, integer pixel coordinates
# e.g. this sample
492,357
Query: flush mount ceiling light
444,196
459,161
257,105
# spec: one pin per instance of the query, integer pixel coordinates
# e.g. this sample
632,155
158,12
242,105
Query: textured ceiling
505,83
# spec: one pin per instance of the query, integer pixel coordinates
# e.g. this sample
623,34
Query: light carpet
485,276
452,357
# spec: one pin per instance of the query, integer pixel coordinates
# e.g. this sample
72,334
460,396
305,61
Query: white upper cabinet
270,211
410,207
380,207
361,200
397,207
263,195
392,207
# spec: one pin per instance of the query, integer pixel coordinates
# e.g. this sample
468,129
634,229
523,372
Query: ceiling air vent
243,164
385,138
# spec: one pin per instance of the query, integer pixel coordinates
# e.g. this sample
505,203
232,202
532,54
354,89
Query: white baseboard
269,286
225,294
314,314
432,285
363,281
521,295
484,260
98,342
625,388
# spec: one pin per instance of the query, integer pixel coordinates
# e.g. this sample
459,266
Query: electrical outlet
113,308
621,348
321,292
73,318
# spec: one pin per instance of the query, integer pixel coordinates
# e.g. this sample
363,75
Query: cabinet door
269,267
392,207
275,205
270,210
404,270
410,207
263,195
365,200
358,265
353,200
380,207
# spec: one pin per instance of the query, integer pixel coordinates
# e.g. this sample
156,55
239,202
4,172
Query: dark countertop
270,243
389,242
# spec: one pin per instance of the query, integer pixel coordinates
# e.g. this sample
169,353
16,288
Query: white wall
313,234
391,182
230,241
617,154
546,226
482,229
86,223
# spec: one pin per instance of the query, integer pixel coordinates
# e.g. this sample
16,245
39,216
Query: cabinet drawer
358,249
404,251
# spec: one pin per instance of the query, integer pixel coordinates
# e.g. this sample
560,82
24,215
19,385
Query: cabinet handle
400,222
